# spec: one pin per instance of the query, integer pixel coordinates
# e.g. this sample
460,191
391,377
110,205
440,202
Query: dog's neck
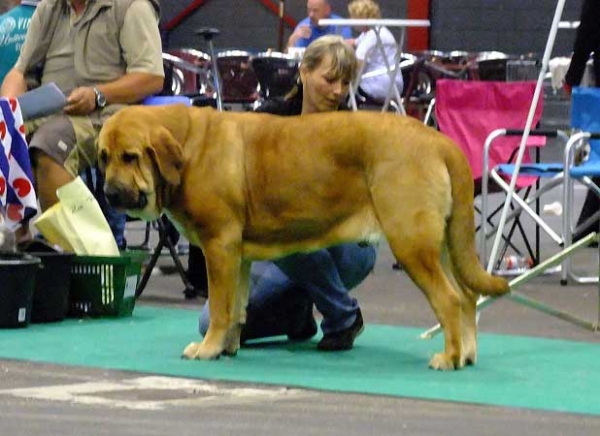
167,194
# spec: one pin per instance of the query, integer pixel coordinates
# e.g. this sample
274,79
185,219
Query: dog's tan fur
248,186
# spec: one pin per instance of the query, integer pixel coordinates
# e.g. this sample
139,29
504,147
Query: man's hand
298,33
81,101
302,32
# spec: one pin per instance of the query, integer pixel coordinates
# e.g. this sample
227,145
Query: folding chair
585,116
468,112
500,176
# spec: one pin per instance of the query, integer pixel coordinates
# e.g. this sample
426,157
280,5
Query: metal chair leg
164,240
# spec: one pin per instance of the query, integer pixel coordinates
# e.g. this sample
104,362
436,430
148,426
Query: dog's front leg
238,316
223,262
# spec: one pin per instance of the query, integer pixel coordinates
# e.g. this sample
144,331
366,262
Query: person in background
369,55
7,5
587,41
196,274
305,32
309,30
13,28
102,55
282,292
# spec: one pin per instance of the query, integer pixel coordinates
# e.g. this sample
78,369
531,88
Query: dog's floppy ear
167,154
100,158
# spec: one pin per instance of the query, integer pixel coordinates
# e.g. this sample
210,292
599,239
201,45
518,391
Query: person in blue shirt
13,28
308,29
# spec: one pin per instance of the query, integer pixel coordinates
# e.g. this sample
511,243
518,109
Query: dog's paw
441,362
200,351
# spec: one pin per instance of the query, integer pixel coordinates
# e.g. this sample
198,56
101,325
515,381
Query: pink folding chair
469,112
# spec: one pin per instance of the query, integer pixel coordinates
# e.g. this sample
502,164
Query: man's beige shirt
138,38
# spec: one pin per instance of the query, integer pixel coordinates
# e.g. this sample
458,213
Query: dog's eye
129,158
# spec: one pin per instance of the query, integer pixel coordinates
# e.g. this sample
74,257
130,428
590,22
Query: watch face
100,99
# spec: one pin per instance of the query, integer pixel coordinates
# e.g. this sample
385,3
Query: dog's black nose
123,199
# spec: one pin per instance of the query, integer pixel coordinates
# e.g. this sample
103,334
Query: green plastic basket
105,285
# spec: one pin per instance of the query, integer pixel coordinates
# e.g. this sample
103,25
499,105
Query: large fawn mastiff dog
246,186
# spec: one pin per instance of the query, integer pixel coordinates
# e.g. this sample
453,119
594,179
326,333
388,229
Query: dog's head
141,159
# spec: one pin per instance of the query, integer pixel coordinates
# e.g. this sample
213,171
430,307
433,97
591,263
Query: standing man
587,41
102,54
308,29
13,28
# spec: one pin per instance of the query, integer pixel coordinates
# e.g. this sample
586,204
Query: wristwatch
100,98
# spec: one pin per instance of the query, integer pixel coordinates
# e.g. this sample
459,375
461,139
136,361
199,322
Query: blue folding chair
585,120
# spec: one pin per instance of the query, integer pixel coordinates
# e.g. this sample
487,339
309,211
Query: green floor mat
512,371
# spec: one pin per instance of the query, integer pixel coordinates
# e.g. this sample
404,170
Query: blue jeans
326,276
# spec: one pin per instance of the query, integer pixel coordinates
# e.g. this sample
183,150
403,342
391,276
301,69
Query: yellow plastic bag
76,223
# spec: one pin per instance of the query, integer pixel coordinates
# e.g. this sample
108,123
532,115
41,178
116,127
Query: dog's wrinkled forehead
123,134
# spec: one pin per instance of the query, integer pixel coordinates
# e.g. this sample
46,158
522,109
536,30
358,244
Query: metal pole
216,77
513,181
208,33
280,43
525,277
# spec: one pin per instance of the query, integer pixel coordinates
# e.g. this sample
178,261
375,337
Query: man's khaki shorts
69,140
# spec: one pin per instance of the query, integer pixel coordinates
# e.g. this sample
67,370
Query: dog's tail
461,230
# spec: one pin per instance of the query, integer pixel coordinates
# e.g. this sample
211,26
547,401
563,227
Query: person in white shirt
377,83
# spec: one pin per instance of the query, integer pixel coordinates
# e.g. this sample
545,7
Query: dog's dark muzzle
125,198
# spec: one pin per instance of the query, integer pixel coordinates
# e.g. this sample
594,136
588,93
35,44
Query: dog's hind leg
468,308
424,268
238,315
417,245
469,326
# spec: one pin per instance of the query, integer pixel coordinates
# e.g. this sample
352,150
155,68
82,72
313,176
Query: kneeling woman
282,292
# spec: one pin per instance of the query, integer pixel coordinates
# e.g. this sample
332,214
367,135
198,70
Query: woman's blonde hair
344,64
333,47
364,9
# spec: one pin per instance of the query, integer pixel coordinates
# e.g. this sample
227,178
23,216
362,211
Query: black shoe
344,339
305,327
